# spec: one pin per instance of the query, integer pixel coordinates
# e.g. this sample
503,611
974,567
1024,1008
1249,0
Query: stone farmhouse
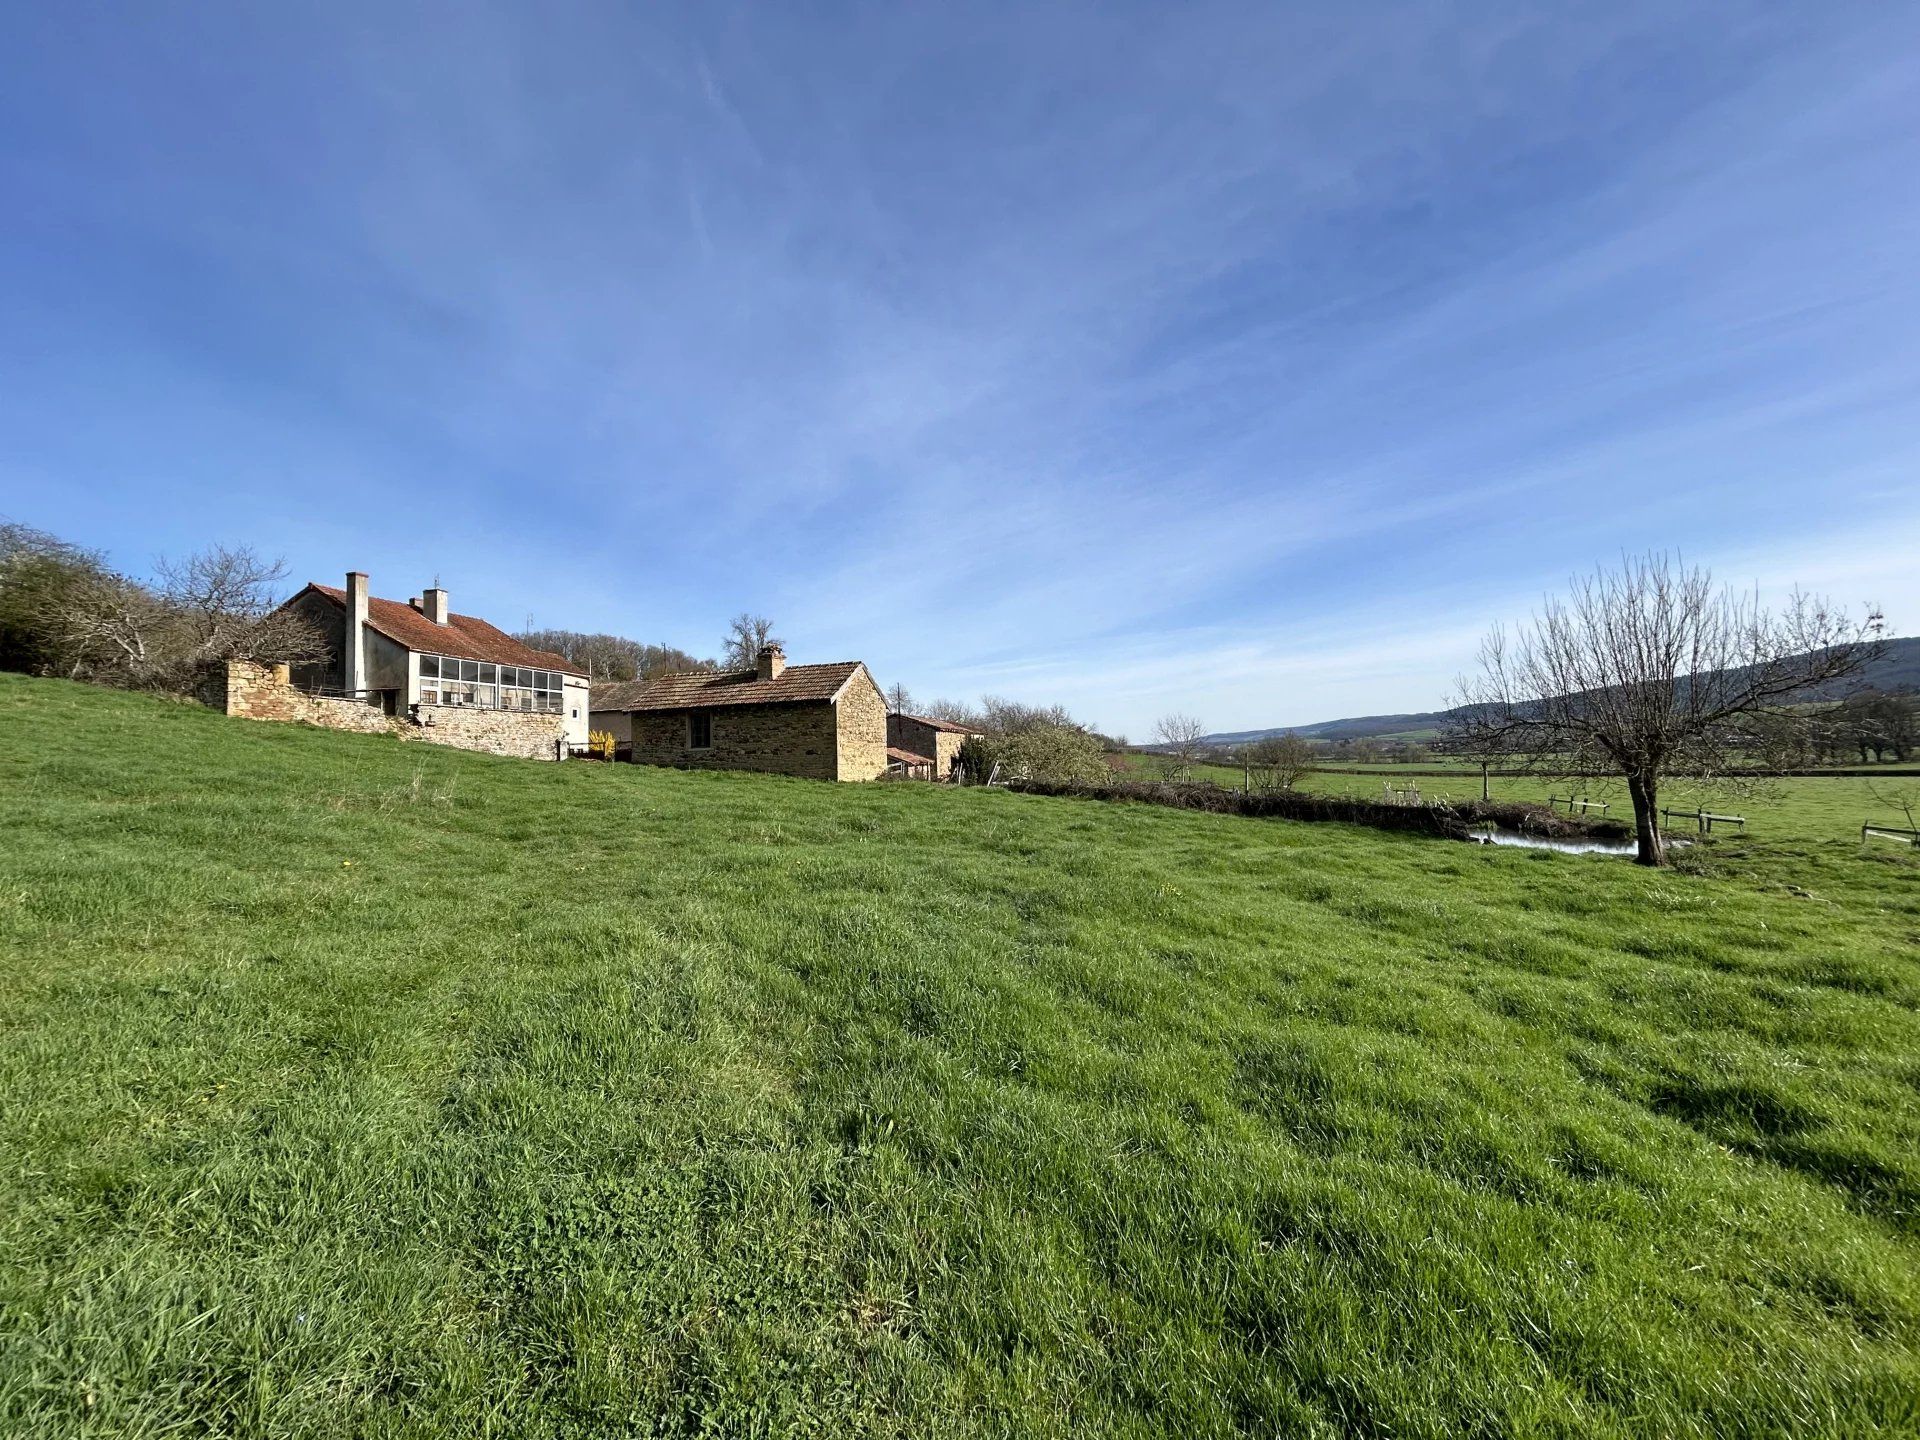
417,670
823,722
922,747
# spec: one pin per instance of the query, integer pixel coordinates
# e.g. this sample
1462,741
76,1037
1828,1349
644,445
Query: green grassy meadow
359,1088
1804,807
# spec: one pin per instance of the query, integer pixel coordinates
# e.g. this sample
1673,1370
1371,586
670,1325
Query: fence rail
1705,819
1585,805
1890,832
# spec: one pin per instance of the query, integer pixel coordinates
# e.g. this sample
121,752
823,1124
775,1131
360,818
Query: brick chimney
771,662
433,604
354,653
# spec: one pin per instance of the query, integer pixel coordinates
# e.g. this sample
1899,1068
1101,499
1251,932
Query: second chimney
433,604
354,656
772,661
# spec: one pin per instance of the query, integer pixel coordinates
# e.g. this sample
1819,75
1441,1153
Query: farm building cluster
416,669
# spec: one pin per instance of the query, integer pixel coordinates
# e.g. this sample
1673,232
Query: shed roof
614,694
710,689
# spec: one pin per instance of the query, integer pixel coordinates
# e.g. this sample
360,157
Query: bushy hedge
1454,821
1042,754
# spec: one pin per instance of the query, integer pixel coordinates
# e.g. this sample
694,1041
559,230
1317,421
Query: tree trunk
1646,820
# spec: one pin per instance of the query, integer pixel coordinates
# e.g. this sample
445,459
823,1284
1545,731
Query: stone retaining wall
263,692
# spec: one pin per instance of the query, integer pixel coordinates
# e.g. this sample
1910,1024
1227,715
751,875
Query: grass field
1813,807
359,1088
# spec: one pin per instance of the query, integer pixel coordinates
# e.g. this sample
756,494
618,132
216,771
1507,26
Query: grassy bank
353,1087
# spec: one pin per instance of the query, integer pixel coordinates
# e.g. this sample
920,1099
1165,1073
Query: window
700,732
445,680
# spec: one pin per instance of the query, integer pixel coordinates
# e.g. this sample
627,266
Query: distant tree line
64,611
1871,726
612,657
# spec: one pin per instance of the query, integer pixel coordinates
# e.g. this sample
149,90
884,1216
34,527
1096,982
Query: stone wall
862,730
779,739
262,692
907,732
946,750
520,734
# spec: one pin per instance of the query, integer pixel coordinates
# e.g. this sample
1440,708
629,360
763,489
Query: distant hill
1898,669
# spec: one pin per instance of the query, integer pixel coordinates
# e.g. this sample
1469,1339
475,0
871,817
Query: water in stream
1564,846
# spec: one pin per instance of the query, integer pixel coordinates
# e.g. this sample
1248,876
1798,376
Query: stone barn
923,744
821,722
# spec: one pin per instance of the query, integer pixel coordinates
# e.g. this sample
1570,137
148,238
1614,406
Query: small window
489,674
699,732
429,667
469,669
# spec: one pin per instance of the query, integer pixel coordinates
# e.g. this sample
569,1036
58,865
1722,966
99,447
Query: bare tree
953,710
1899,792
900,699
1650,670
223,602
1277,762
106,627
214,606
1178,737
747,635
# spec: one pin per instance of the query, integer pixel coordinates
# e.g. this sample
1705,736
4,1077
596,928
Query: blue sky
1245,360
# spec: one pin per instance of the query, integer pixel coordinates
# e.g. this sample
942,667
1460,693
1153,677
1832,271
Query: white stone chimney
433,604
354,656
771,662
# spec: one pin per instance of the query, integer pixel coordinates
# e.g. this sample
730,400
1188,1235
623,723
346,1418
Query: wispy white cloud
1229,359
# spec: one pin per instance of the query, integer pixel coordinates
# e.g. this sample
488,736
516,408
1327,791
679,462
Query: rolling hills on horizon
1896,669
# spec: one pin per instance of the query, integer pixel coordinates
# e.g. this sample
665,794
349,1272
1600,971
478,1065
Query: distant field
1816,808
1826,807
359,1088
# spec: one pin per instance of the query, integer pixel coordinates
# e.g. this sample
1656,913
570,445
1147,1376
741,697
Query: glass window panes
445,680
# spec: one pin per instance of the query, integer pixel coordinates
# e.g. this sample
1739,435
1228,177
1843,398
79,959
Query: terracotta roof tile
907,757
466,637
711,689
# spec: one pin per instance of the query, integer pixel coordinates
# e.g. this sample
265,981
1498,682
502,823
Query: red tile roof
907,757
710,689
466,637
